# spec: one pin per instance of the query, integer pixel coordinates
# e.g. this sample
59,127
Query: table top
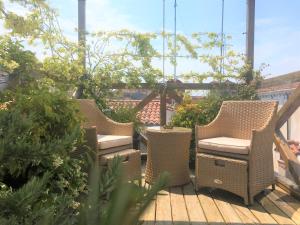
173,130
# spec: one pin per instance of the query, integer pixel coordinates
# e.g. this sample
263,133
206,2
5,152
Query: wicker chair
104,135
234,151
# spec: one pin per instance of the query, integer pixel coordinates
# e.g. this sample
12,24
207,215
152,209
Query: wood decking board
241,214
194,209
210,209
275,212
179,212
261,214
245,214
148,217
228,213
288,199
163,208
287,209
185,206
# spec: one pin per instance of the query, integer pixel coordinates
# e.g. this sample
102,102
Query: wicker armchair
104,135
234,151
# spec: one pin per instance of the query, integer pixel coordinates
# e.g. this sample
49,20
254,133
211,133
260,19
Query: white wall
295,125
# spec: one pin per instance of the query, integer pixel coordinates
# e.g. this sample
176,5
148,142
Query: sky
277,25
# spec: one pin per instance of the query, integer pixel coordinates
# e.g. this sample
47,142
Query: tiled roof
149,115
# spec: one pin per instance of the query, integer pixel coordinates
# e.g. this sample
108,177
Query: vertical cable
164,41
175,39
222,41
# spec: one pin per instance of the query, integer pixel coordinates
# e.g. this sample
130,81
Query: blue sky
277,34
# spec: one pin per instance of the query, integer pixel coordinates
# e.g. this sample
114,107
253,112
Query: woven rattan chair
234,151
104,135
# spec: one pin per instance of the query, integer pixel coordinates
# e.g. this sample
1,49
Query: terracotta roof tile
149,115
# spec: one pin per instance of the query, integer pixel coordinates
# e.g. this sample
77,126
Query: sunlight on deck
182,205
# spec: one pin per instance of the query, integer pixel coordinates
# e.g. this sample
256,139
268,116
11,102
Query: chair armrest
90,137
261,171
208,131
262,139
116,128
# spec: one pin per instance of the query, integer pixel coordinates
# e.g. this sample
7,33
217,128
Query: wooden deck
182,205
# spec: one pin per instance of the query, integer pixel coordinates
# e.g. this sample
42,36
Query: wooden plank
261,214
179,86
294,203
288,108
245,215
228,213
163,107
146,100
148,217
274,211
194,209
210,209
287,209
288,156
179,212
163,208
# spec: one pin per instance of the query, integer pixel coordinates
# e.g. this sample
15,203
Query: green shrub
125,115
40,126
41,184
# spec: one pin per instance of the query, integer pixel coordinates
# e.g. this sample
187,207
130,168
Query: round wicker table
168,151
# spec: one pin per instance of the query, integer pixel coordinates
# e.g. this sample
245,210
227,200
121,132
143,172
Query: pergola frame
250,27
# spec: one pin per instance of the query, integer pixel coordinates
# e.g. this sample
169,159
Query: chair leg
250,201
273,187
246,201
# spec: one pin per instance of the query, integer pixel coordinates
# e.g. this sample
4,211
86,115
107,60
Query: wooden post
81,42
146,100
282,116
250,38
82,28
163,106
288,156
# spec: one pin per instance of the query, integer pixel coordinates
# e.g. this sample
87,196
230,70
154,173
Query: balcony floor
182,205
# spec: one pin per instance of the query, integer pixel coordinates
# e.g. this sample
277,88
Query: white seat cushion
226,144
111,141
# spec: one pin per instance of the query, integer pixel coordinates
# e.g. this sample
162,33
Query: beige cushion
226,144
111,141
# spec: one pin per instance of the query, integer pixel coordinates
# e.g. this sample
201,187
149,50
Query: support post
81,42
250,38
163,106
82,29
146,100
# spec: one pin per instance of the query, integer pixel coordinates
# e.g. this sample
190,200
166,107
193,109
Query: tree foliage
40,127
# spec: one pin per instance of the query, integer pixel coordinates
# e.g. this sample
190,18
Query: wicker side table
130,163
168,151
222,172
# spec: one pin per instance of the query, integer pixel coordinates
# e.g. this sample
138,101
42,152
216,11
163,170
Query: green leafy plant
40,127
125,115
108,200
